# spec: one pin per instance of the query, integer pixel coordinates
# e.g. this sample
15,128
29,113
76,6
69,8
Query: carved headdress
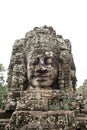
43,37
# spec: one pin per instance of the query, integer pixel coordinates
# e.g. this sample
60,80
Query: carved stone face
41,68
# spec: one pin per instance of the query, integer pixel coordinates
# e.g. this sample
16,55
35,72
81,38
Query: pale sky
67,17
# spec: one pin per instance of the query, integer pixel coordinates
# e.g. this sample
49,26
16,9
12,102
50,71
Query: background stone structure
84,88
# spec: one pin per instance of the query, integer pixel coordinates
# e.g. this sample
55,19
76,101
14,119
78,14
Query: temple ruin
42,85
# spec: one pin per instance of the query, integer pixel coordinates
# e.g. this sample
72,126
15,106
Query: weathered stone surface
42,39
44,100
41,82
4,118
41,120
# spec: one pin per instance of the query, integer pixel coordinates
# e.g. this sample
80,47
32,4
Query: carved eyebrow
35,61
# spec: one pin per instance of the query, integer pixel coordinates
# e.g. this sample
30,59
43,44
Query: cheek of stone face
46,83
53,72
30,72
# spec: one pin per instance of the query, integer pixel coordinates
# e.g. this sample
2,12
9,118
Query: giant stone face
42,60
42,68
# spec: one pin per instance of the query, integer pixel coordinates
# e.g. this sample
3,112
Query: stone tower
41,83
58,50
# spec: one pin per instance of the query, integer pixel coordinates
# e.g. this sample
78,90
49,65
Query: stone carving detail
48,120
42,52
41,82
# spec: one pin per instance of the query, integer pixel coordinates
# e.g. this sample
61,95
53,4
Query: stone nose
41,70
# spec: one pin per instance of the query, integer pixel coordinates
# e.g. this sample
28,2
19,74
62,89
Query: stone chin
42,83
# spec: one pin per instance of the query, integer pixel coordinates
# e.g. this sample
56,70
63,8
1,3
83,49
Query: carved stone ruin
42,84
84,88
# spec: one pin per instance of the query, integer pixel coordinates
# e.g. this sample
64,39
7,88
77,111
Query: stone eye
36,61
48,61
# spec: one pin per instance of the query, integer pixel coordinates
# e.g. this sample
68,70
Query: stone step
81,118
4,120
3,123
5,114
2,126
81,115
84,111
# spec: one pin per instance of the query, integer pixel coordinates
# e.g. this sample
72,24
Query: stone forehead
42,37
46,51
42,52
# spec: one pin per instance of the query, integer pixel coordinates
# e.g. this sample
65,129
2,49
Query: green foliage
2,70
79,89
66,104
3,91
3,87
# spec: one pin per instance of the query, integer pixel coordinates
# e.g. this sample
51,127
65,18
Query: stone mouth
41,75
42,78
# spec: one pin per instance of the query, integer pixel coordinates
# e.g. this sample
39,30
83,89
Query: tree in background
3,87
2,70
